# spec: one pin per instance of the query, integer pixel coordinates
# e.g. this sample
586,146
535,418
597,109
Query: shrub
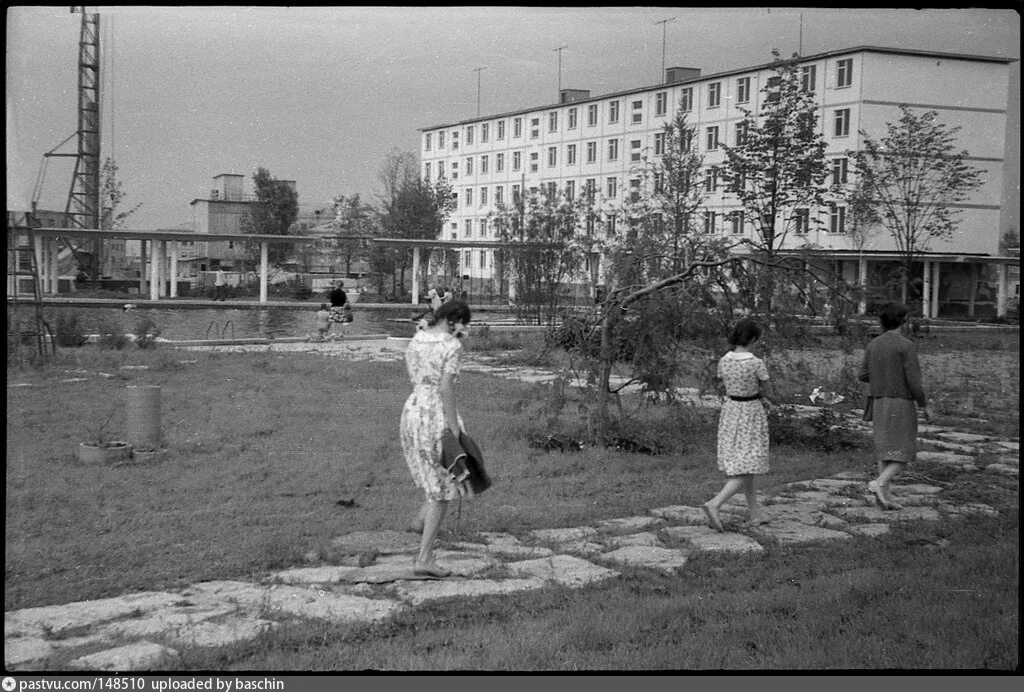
824,431
146,333
69,333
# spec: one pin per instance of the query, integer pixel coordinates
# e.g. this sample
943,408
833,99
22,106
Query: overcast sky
320,95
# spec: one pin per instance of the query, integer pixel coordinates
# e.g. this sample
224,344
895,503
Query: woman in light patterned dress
743,423
432,361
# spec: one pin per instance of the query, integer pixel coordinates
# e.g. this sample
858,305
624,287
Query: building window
736,219
455,140
483,164
455,170
469,134
483,259
709,222
572,118
634,150
501,129
611,187
552,188
613,150
469,196
483,197
741,132
743,90
591,152
499,194
570,190
499,163
661,103
839,171
842,120
468,225
553,121
801,221
613,112
534,128
469,165
440,140
440,169
837,219
534,161
426,171
483,228
659,144
712,138
517,160
711,179
591,187
552,157
638,112
570,155
609,224
516,194
714,94
659,183
808,76
738,183
686,100
592,115
485,132
426,141
517,127
844,73
634,189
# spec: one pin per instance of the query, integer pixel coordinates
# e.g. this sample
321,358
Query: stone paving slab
646,538
331,574
168,620
417,593
508,550
667,560
564,535
565,570
142,655
59,619
789,532
877,515
582,547
707,540
326,605
959,460
628,524
681,514
1004,469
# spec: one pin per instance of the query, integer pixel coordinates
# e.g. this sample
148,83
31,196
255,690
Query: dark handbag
478,480
869,408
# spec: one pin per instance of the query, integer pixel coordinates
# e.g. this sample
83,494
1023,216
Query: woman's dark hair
892,315
745,331
452,311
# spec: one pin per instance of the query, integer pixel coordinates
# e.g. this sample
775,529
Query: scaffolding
26,324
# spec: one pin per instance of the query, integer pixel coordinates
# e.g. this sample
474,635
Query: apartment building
599,142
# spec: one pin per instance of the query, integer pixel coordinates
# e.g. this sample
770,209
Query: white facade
603,139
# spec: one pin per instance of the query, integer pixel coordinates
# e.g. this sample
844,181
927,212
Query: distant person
339,300
220,285
323,321
434,297
893,373
742,423
448,296
432,361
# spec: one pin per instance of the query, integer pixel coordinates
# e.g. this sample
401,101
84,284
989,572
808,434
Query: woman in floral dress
433,364
743,423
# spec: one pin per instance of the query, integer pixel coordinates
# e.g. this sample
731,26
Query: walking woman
432,361
742,424
893,374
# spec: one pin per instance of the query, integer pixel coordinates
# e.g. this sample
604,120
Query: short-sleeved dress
742,425
429,357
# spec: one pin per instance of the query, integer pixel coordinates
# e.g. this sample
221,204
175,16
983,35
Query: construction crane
82,209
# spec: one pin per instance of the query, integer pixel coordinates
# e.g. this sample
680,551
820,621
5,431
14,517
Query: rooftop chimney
674,75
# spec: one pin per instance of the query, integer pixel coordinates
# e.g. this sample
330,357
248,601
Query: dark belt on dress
746,398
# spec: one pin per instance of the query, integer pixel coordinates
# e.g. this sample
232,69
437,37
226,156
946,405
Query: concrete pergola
163,247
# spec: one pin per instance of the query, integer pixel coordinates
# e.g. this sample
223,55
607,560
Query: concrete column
162,250
264,271
37,242
415,275
54,250
1004,287
174,269
926,288
154,271
142,268
862,279
936,276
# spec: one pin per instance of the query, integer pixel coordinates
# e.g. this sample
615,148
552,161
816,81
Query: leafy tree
913,179
777,168
274,211
353,220
545,246
112,195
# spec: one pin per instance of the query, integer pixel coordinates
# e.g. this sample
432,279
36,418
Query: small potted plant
100,449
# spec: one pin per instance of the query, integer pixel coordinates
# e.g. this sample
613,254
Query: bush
146,333
824,431
69,333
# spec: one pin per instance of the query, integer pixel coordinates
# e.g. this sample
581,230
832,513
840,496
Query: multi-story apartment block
598,142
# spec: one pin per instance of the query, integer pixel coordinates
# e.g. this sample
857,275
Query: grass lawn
264,446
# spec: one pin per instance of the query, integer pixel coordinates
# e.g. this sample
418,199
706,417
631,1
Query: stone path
371,578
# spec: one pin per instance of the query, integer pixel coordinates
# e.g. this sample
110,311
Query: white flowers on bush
824,397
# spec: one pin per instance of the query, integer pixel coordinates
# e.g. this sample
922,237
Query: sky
321,95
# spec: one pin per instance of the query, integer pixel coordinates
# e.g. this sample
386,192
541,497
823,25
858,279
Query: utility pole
663,22
559,50
478,70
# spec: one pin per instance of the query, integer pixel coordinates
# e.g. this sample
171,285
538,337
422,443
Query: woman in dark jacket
893,374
